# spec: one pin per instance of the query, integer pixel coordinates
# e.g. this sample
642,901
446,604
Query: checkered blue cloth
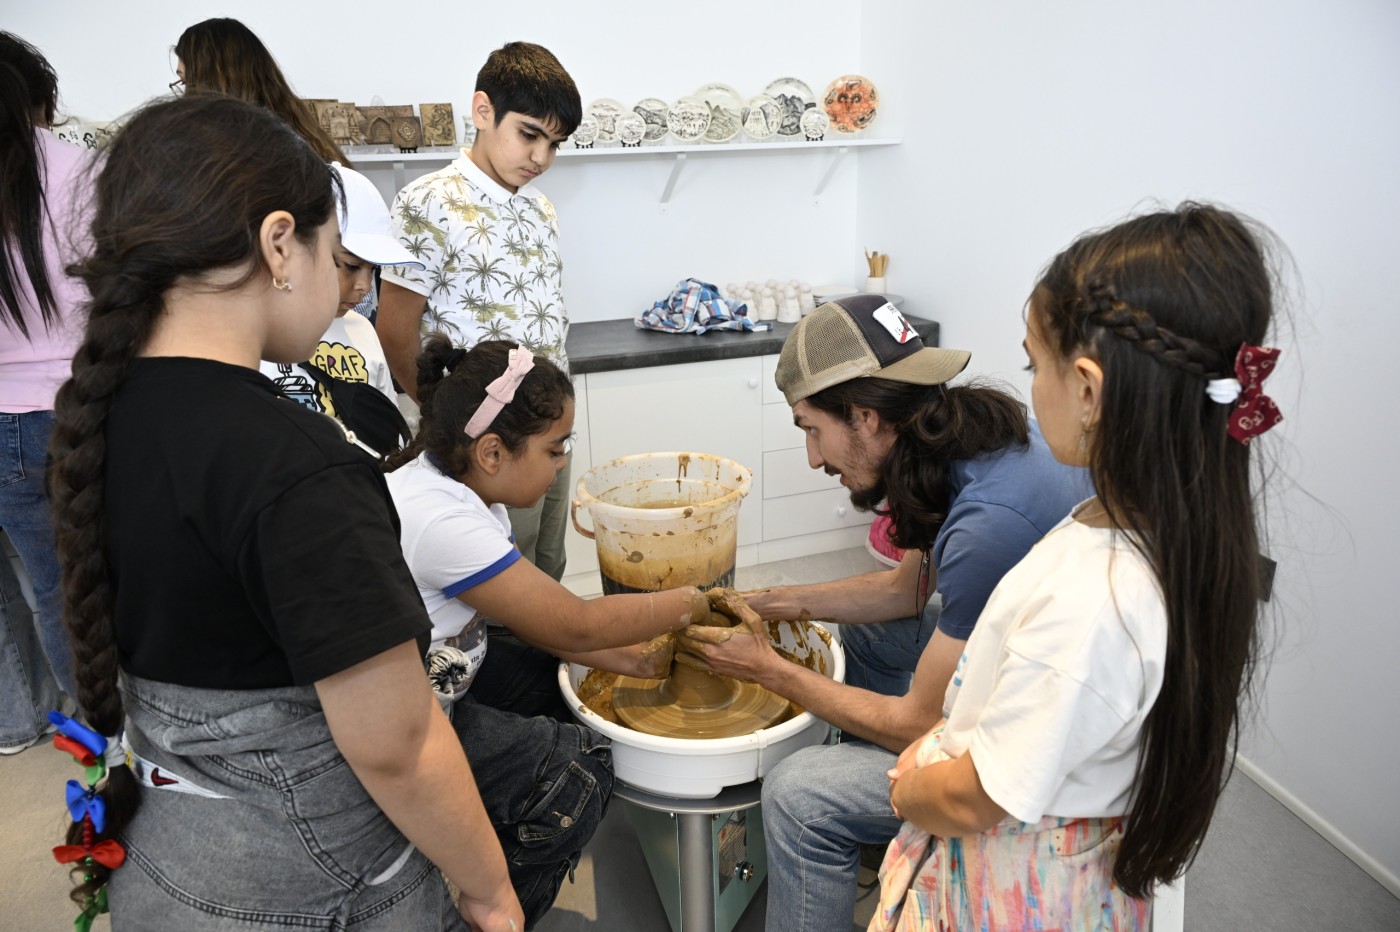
696,307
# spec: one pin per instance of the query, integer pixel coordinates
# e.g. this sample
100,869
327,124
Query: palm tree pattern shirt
491,266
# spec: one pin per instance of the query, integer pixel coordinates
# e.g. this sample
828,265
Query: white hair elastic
1223,391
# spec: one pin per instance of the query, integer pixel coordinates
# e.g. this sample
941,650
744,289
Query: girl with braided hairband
231,580
1091,724
494,431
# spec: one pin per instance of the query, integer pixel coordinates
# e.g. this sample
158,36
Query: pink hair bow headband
501,392
1255,412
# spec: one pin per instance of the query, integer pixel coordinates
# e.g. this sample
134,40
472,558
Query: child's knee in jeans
569,800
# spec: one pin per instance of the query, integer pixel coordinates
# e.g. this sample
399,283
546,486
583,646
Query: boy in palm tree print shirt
489,243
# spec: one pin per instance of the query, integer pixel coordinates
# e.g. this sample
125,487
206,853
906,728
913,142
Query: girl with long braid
232,584
1091,723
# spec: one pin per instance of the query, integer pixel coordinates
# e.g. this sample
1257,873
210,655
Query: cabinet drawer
779,432
795,515
785,472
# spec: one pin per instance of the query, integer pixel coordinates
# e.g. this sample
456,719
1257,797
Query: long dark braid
1163,302
183,190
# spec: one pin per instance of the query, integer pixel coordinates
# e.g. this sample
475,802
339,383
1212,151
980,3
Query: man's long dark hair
1163,302
934,426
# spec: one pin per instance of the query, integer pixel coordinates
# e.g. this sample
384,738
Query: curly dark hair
934,426
452,385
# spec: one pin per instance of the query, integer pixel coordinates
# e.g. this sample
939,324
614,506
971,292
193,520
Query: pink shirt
31,370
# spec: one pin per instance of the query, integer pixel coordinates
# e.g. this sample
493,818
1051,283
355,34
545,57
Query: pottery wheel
693,704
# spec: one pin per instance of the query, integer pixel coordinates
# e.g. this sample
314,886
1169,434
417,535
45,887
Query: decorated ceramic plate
851,102
762,116
726,111
794,97
606,111
653,111
688,119
631,129
586,133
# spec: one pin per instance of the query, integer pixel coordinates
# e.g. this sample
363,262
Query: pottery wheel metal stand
696,843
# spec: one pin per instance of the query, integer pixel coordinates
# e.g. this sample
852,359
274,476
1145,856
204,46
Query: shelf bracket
837,157
671,182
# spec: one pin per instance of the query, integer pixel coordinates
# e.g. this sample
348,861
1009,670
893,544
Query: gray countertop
607,345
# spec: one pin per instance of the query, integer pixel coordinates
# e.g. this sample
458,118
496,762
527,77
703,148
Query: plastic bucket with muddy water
663,520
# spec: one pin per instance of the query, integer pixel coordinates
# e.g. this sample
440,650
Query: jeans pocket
564,806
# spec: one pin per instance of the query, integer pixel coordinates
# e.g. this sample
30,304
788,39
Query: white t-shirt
451,542
1054,684
349,351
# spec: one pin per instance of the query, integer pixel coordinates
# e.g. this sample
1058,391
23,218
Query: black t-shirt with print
250,545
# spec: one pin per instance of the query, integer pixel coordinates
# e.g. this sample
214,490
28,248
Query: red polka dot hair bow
1255,412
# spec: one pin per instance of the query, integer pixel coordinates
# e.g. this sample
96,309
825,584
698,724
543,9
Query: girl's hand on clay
654,657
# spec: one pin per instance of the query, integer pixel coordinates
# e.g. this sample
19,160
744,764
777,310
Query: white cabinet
728,408
798,501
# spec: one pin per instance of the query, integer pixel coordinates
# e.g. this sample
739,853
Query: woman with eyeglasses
225,56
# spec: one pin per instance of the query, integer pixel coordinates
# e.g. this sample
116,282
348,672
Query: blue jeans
819,806
34,654
546,786
881,657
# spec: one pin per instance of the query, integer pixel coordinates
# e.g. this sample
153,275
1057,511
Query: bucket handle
573,516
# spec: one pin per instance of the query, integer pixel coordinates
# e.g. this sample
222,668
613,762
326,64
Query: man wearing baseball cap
970,487
347,376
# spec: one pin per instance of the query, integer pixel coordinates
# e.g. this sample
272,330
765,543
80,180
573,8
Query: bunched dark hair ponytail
452,385
1163,302
28,94
934,426
182,191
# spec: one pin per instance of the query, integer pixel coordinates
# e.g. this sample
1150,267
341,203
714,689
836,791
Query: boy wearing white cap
347,375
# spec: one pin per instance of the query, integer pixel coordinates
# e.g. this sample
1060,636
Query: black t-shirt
249,543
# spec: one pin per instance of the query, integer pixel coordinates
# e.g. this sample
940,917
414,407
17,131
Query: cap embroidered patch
893,321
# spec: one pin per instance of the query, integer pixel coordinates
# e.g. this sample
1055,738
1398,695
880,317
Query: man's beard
867,498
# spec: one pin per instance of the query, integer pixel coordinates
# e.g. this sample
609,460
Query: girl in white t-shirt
1090,724
495,429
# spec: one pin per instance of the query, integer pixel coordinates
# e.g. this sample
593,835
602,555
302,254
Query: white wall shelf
837,148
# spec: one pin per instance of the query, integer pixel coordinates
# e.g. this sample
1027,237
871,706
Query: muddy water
598,688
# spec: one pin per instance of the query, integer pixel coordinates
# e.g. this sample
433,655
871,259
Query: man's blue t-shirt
1001,504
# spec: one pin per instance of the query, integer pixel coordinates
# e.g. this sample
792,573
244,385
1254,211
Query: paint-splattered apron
1055,874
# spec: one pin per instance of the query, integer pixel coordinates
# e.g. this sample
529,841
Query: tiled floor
1260,867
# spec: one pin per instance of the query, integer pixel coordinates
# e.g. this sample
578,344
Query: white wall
1025,123
731,219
